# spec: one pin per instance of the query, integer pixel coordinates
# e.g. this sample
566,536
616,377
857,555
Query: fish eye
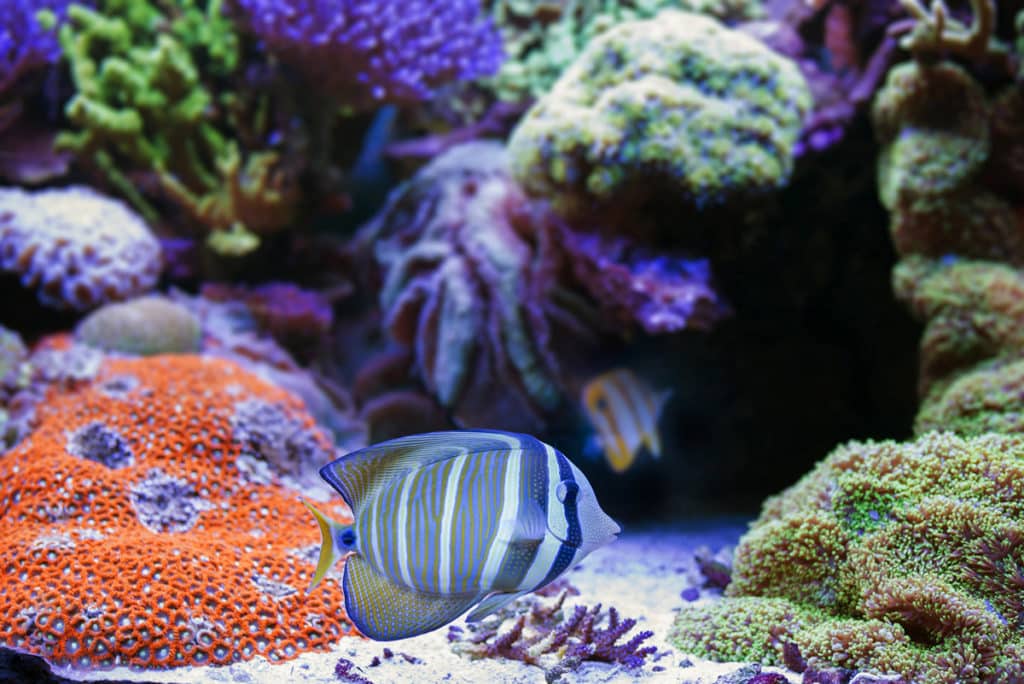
348,538
601,404
567,491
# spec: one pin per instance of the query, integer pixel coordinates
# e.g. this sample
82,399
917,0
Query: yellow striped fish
445,521
624,411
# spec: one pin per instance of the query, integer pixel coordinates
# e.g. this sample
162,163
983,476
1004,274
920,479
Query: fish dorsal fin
492,604
385,611
358,474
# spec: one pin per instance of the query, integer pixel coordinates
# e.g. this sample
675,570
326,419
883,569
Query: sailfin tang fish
624,410
445,521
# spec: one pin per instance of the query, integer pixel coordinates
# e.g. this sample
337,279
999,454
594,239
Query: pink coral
77,247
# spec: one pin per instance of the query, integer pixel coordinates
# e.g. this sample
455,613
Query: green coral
987,399
930,589
153,95
973,313
678,103
543,37
144,326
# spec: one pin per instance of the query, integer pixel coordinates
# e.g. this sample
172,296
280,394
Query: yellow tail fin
329,552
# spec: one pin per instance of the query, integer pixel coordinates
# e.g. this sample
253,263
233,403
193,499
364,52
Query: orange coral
144,543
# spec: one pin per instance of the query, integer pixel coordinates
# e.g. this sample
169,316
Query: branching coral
677,104
165,557
78,248
544,634
364,53
932,31
152,97
890,557
469,274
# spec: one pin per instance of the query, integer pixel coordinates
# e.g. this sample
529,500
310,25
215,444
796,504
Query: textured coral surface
678,103
78,248
128,535
891,557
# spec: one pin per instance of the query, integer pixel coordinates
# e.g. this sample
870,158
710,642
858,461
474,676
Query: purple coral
472,281
662,292
25,44
373,51
78,248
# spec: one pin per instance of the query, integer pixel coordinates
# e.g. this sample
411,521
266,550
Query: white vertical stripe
374,527
444,539
557,522
402,528
506,522
627,419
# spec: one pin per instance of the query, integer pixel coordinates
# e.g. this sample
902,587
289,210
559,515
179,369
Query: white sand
641,575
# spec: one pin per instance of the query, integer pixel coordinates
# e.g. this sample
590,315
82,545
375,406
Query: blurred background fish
444,521
624,410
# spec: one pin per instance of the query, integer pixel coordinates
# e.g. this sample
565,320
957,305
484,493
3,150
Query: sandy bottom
641,575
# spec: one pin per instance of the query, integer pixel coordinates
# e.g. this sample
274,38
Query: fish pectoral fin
531,525
492,604
385,610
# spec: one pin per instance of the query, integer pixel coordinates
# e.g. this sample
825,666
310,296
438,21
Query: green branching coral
678,103
153,96
888,557
932,31
543,37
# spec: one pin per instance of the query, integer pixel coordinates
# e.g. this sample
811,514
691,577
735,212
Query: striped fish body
445,521
624,411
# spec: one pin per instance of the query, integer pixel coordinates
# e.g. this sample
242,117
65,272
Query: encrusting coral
678,104
78,248
888,557
164,554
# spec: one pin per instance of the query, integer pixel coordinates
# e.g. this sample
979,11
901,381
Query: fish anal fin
385,611
492,604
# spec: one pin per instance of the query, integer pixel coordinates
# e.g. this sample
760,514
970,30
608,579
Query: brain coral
77,247
143,326
678,103
890,557
166,554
